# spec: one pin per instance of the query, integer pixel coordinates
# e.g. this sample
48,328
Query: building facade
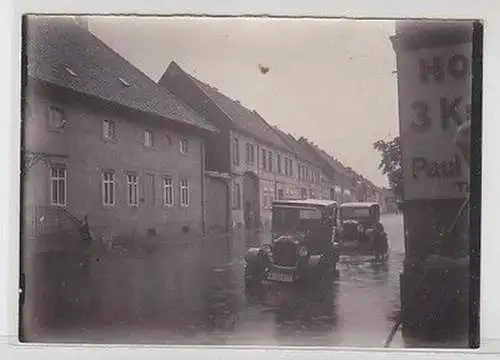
101,142
263,165
339,180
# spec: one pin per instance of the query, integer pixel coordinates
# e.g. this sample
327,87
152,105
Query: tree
391,163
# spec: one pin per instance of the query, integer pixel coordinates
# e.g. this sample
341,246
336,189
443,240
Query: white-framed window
133,189
286,166
148,138
270,161
278,163
168,138
109,129
184,184
236,196
57,119
184,145
168,191
250,153
264,159
108,188
58,185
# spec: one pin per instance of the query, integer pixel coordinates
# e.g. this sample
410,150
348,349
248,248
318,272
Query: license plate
279,277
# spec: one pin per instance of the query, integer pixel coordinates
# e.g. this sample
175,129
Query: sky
330,81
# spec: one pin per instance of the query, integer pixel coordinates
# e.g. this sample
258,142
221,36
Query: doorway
251,201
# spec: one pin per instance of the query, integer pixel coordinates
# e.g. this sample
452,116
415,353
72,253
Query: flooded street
356,311
203,302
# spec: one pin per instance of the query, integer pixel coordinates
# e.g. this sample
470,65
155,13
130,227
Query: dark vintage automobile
303,247
360,229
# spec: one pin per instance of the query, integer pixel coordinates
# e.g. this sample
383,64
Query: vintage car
303,246
360,229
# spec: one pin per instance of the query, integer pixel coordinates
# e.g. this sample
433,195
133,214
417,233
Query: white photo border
487,10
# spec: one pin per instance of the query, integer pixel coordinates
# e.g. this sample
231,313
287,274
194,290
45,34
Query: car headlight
303,251
360,228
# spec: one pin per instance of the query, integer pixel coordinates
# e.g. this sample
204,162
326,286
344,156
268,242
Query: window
236,152
109,130
264,159
270,161
58,185
268,198
169,139
281,194
278,163
132,193
168,191
108,188
148,138
250,153
290,167
183,145
286,166
184,192
236,196
56,118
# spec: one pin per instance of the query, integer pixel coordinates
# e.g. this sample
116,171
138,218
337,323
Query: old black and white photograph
264,181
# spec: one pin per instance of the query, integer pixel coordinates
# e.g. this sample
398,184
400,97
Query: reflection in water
306,311
195,295
220,302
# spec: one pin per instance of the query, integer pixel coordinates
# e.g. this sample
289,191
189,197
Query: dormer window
70,71
124,82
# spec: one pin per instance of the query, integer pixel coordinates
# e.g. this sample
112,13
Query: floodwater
207,304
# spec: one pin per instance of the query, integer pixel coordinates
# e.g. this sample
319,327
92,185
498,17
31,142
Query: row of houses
105,143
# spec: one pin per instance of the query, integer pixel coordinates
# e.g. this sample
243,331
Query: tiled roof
325,157
301,150
248,121
62,53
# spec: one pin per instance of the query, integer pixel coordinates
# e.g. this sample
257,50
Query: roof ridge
63,32
139,71
200,84
270,128
196,83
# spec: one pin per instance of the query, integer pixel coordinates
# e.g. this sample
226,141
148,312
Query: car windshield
354,213
293,219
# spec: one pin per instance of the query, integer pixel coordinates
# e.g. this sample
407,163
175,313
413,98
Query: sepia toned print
334,211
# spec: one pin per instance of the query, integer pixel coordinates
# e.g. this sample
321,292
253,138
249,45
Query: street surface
207,303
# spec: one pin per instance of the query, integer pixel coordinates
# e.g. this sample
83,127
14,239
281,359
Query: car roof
305,202
359,204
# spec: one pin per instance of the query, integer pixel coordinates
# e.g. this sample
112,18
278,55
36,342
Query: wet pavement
208,305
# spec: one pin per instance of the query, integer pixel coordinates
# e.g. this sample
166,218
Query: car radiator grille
285,253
